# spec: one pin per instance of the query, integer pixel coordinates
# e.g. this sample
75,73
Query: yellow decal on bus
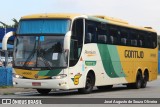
76,79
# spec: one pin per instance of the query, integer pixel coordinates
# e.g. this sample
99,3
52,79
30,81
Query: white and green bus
69,51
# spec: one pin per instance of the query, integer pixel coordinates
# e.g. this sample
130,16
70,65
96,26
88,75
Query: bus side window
113,32
91,32
140,43
88,38
133,37
76,41
149,41
123,41
154,40
123,36
112,39
134,42
101,32
141,39
102,39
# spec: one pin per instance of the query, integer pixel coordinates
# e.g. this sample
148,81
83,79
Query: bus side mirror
5,39
67,39
66,46
4,45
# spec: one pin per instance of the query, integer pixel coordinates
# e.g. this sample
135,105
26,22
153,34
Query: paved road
119,91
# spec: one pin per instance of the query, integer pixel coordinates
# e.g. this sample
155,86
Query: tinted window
114,34
76,41
104,33
91,32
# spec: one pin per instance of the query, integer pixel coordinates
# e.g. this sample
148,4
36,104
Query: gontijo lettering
133,54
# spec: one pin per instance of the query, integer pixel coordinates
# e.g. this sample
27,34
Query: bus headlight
60,76
17,76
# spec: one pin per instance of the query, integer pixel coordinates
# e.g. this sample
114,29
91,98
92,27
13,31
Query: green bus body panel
111,61
49,72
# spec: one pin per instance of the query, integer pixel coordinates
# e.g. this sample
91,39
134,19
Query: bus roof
120,22
50,15
99,18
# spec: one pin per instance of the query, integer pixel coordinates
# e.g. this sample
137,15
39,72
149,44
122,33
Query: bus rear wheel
43,91
138,82
90,81
144,83
144,80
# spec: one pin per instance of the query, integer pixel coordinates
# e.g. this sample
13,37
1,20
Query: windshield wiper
30,56
40,54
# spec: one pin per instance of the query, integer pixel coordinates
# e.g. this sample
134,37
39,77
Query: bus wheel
105,87
44,91
138,82
144,80
90,81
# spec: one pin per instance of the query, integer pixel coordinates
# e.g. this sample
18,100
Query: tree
15,25
4,25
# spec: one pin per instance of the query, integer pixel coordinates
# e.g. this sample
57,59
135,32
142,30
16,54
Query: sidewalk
12,90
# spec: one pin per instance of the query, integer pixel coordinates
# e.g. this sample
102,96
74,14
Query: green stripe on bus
49,72
90,63
111,61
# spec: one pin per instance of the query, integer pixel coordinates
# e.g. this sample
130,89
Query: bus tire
144,80
90,81
138,82
144,83
43,91
107,87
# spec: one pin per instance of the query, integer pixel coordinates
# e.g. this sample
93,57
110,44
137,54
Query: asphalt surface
119,91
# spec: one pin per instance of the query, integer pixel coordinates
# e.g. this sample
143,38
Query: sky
136,12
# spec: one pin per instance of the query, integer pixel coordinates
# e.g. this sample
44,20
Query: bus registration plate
36,84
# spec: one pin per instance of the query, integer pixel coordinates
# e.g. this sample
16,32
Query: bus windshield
39,44
42,52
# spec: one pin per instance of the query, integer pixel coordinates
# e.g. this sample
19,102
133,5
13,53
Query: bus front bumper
41,84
